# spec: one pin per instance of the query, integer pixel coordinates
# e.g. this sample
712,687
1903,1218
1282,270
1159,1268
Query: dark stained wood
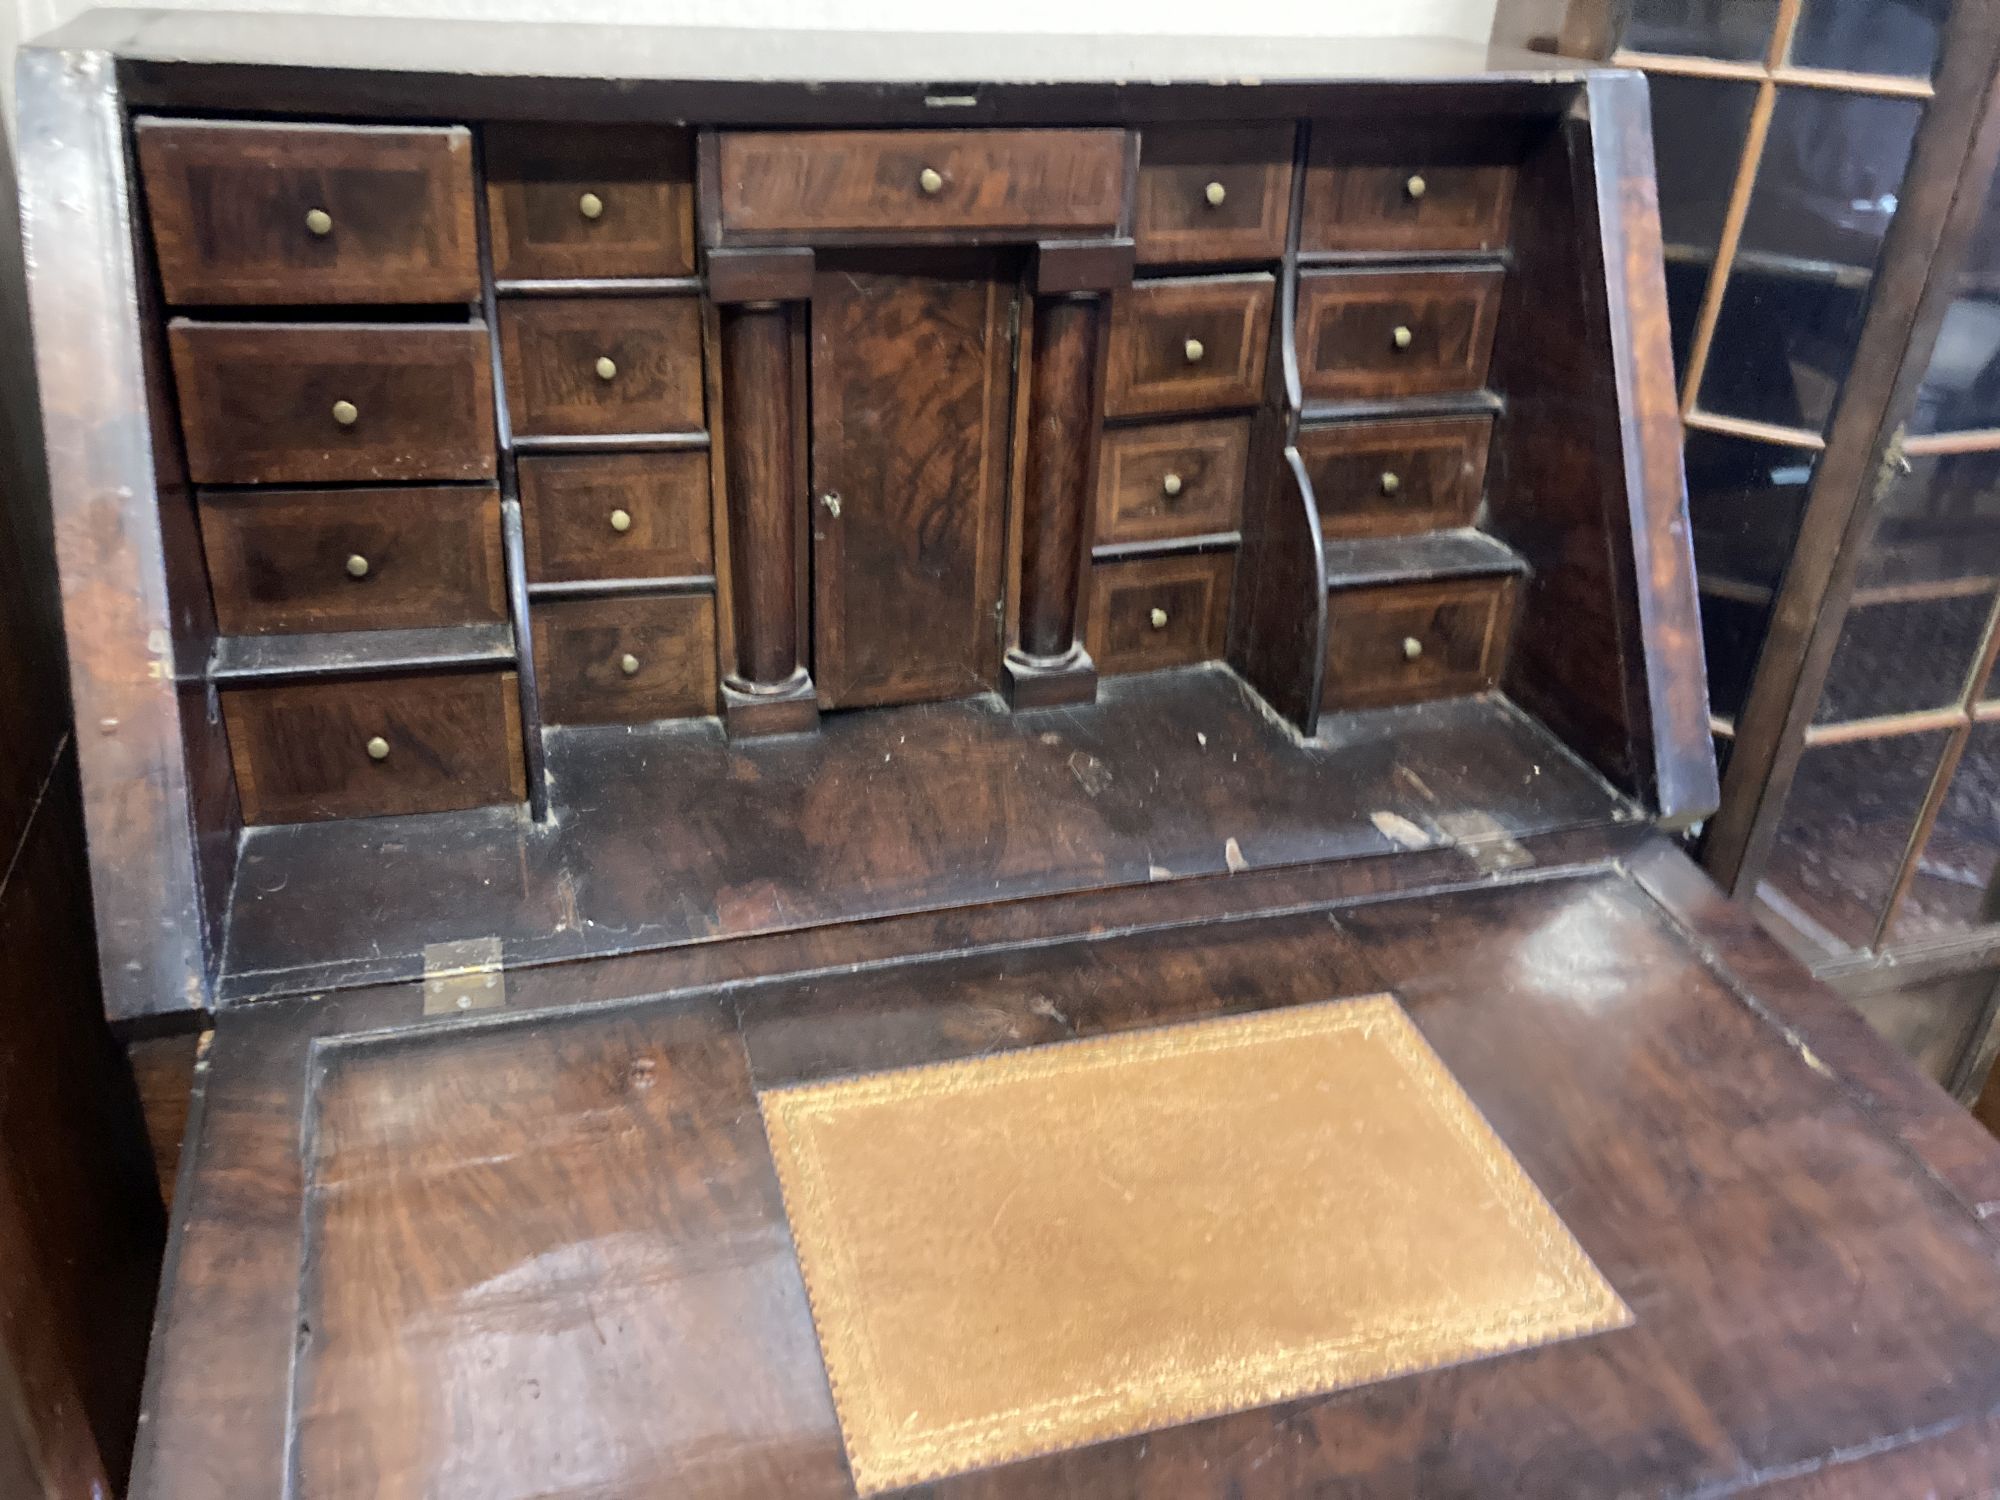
1159,611
257,401
1175,221
584,648
284,560
1060,458
1081,266
781,273
1188,345
640,176
1350,321
556,385
252,658
302,752
163,1073
1391,478
1174,479
1459,627
910,403
1464,553
568,504
227,203
832,185
1392,190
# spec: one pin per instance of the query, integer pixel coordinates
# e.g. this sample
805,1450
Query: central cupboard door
912,383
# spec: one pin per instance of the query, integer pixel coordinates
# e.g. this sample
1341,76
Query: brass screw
357,566
378,748
319,221
1215,192
1412,648
1159,619
1403,337
1390,483
628,664
590,206
606,367
1416,187
1171,485
621,520
346,413
931,181
1193,350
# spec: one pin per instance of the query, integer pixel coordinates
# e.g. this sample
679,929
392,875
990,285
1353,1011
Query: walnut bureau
607,571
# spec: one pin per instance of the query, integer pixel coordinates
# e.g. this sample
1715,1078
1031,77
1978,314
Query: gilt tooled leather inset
1055,1246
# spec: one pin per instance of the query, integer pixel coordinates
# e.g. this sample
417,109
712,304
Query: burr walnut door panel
911,378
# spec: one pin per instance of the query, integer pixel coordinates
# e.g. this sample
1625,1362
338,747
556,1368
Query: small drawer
602,366
1159,611
245,214
625,660
1397,477
1213,193
322,560
871,183
1456,198
1406,642
1188,345
590,201
616,515
1372,334
327,403
1171,479
365,747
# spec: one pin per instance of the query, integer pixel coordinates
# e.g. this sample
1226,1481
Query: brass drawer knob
1215,192
378,748
1390,482
590,206
621,520
1412,648
346,413
1416,187
607,367
1193,350
357,566
1171,485
1159,619
1402,337
931,181
319,221
628,664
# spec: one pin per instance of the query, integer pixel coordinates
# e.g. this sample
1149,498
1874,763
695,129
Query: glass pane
1961,390
1825,193
1840,844
1931,1024
1698,130
1737,29
1899,654
1744,499
1953,890
1880,36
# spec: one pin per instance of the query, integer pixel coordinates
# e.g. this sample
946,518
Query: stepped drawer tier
1406,642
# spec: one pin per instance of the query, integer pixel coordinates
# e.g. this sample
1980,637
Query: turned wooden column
769,691
1048,665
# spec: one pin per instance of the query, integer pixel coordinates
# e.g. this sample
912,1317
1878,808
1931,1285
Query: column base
1049,681
752,709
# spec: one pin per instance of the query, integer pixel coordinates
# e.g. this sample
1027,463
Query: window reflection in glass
1698,129
1841,842
1878,36
1825,193
1954,889
1961,390
1736,29
1745,499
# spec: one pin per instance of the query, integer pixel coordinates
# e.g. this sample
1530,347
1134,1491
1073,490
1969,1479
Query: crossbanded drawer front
327,403
1409,642
282,561
589,200
600,366
1396,477
1152,612
1366,335
616,515
300,214
1172,479
1213,193
364,747
1396,198
1188,344
626,660
877,182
